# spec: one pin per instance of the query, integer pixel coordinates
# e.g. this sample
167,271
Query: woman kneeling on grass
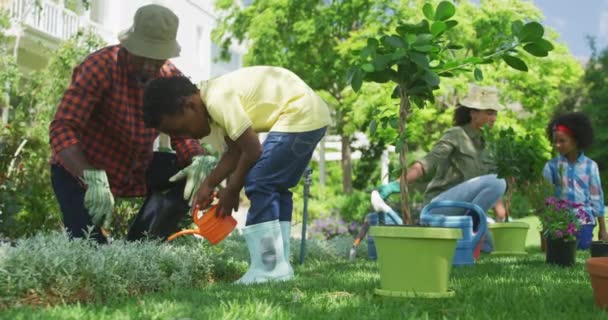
463,165
575,176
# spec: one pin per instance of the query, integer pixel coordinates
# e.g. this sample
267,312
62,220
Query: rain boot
286,235
265,244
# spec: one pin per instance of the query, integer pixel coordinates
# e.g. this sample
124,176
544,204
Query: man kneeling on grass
227,112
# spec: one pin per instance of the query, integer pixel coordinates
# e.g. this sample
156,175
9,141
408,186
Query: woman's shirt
458,156
577,182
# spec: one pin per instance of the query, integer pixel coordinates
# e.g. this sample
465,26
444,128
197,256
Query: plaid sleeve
89,81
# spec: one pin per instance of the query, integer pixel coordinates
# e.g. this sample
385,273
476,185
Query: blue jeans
483,191
284,158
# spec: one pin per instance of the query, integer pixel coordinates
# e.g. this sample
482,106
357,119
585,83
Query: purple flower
559,234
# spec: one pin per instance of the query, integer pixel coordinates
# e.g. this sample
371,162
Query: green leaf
394,122
515,63
431,78
445,10
368,67
420,59
545,44
451,24
478,74
395,94
536,50
455,47
437,28
366,52
372,43
423,38
472,60
394,41
531,32
428,11
410,38
383,76
373,125
357,80
381,62
424,48
446,74
516,27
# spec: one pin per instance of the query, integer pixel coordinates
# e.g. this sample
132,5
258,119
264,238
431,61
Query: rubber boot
286,235
265,244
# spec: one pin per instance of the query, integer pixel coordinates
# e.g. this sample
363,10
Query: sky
574,20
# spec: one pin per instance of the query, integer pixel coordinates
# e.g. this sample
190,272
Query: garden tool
209,226
353,250
307,182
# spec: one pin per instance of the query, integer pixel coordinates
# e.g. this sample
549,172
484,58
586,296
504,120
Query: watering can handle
196,208
481,229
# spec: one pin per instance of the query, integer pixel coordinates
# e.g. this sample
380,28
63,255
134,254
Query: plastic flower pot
212,228
415,261
561,252
599,249
509,237
598,271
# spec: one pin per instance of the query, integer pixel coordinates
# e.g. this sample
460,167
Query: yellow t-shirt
264,98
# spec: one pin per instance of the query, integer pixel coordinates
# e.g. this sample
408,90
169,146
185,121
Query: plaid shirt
101,111
577,182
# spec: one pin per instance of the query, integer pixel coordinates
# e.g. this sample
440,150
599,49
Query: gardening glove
378,204
98,198
195,174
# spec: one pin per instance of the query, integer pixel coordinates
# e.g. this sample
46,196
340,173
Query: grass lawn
495,288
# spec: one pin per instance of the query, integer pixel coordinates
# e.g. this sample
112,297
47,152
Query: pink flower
559,234
571,228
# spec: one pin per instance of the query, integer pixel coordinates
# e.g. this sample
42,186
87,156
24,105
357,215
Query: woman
461,162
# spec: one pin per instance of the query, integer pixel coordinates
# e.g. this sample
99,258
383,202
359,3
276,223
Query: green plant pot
415,261
509,237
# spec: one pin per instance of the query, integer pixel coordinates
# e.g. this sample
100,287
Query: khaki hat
482,98
152,34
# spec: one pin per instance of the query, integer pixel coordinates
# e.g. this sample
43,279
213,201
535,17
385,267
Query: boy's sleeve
596,194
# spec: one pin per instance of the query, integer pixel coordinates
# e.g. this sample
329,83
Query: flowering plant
330,227
562,219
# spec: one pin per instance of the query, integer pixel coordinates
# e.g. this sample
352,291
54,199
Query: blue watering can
467,248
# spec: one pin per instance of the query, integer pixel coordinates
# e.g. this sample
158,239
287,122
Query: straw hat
482,98
152,34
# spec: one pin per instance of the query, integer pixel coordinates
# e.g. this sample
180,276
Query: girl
575,176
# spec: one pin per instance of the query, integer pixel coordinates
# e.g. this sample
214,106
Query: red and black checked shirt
102,112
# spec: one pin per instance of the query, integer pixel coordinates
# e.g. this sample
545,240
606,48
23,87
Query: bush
355,206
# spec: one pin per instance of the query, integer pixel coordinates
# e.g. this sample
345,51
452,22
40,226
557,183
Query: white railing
51,19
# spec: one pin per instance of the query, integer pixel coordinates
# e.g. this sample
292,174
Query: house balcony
41,27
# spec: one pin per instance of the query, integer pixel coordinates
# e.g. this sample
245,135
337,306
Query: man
228,112
100,145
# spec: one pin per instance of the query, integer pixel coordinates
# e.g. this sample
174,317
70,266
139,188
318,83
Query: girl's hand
603,235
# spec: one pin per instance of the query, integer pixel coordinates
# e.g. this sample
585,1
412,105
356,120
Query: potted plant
414,58
519,158
537,192
561,221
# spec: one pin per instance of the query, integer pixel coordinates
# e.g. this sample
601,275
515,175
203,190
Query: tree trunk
404,106
347,180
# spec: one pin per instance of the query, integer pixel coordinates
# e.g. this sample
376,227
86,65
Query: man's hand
228,201
98,199
195,174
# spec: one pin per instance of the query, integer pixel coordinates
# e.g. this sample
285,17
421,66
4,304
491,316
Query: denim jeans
284,158
483,191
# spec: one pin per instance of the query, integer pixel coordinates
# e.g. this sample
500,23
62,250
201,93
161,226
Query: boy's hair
577,124
165,96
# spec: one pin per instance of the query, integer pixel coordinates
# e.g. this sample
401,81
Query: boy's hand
228,201
204,196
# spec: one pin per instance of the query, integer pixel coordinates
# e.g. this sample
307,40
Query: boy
228,112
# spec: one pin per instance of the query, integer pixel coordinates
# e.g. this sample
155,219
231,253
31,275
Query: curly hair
164,97
462,115
578,123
